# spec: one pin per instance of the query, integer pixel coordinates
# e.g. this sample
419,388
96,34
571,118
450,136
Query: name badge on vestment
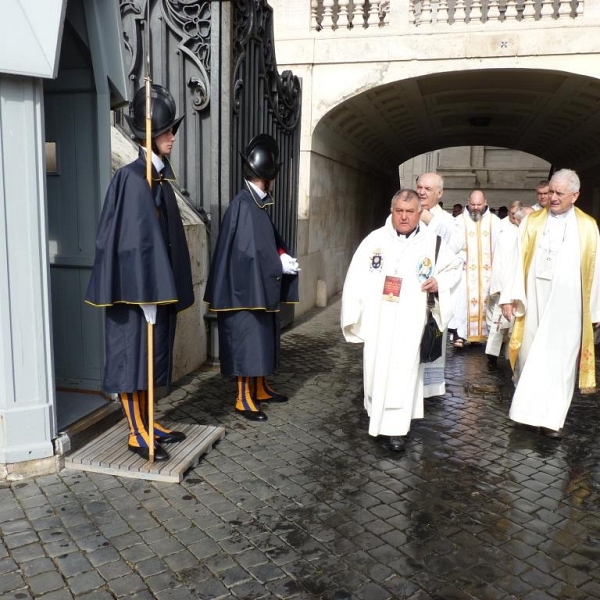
391,288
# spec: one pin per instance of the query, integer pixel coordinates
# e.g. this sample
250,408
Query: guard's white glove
149,312
289,264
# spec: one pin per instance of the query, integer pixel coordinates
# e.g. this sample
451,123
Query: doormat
108,453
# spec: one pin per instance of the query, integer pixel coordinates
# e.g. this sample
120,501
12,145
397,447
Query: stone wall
191,345
347,201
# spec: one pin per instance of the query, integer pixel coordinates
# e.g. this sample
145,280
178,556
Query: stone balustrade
349,14
333,15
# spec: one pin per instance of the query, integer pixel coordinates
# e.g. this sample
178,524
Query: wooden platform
108,453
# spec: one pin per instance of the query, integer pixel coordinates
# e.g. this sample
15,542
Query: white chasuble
384,308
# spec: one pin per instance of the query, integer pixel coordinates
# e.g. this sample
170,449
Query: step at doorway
74,405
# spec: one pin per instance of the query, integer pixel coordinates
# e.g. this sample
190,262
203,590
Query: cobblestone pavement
307,505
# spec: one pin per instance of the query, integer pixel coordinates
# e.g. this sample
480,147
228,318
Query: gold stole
587,243
479,273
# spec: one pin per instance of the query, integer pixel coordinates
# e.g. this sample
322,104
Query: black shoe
553,435
274,398
252,415
492,360
459,342
395,443
160,453
170,438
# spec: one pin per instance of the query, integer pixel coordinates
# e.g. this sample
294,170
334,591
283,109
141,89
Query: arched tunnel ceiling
549,114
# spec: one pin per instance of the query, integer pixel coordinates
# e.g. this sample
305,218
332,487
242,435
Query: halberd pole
150,326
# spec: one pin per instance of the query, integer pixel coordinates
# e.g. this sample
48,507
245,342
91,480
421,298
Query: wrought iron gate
180,57
265,102
218,60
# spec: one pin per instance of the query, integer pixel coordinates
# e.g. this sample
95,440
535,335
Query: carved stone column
547,10
426,12
564,8
343,22
511,10
460,14
327,22
442,14
529,10
373,16
476,14
493,11
358,20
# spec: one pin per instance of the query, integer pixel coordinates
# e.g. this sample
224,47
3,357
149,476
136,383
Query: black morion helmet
262,155
163,112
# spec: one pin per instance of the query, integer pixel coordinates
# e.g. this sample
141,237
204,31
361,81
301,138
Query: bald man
479,229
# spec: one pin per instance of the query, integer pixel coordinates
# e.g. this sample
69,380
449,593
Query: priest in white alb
430,188
384,306
555,297
503,269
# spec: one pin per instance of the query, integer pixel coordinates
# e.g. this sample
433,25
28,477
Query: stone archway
357,143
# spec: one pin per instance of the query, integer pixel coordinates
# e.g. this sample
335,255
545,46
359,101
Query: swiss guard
142,272
251,274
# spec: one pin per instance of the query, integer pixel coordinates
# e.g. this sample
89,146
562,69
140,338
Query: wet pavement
307,505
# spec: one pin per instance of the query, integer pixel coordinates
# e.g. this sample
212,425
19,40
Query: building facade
387,81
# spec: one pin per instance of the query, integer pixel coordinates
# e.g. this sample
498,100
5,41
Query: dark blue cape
245,271
246,286
141,251
141,257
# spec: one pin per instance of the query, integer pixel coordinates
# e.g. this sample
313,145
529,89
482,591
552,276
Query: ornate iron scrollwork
189,22
253,23
132,17
199,91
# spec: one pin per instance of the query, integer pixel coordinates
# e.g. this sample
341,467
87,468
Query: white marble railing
349,14
480,11
363,14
